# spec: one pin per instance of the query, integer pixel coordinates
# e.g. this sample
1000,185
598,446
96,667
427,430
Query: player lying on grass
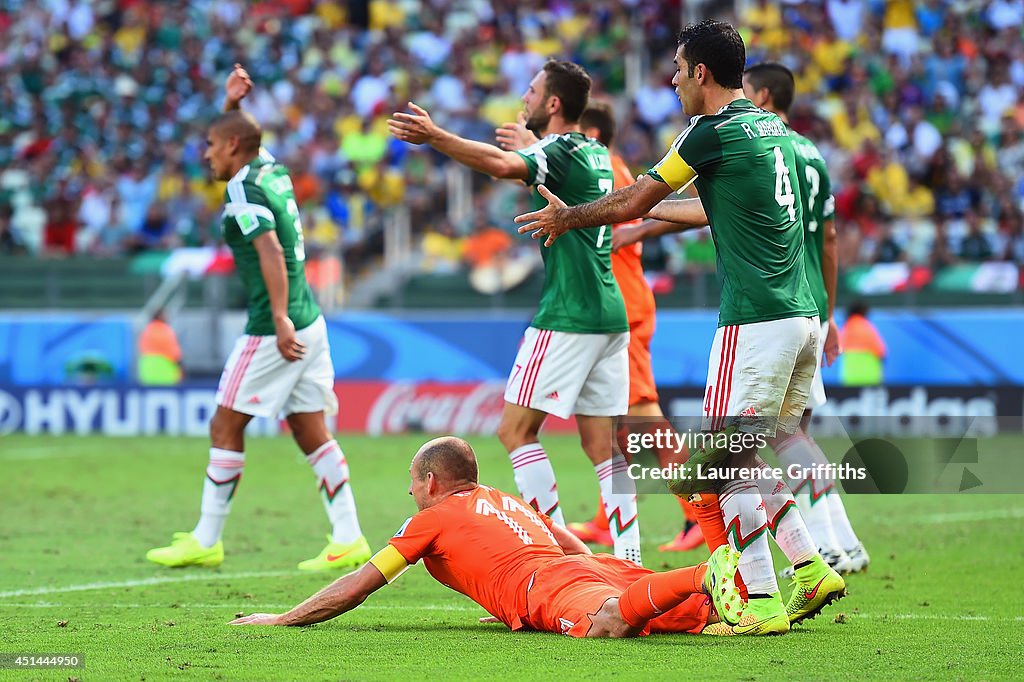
526,571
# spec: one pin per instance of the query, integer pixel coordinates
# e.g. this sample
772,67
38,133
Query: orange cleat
688,538
590,532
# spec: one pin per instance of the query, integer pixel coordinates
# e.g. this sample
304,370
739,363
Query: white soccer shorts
817,397
257,380
759,375
563,374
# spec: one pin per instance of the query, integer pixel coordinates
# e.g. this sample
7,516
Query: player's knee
513,434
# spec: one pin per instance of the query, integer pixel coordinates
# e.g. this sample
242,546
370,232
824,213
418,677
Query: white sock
331,469
223,472
745,526
536,480
841,523
784,522
800,450
620,507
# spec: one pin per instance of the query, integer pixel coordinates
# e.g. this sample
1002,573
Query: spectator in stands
487,244
863,349
976,246
442,249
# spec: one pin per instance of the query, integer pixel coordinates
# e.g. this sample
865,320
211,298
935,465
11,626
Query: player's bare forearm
341,596
275,273
621,205
688,213
830,264
480,156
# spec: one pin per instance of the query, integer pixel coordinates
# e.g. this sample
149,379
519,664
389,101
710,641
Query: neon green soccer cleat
185,550
693,472
765,616
815,586
720,584
337,556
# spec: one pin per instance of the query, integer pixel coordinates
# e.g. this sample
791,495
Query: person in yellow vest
159,354
863,349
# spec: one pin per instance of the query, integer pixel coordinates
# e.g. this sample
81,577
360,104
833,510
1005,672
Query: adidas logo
255,400
778,488
749,412
553,395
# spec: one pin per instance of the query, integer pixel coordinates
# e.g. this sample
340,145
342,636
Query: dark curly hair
719,47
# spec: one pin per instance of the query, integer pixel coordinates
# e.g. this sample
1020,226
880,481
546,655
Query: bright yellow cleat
336,556
185,550
760,617
720,584
815,586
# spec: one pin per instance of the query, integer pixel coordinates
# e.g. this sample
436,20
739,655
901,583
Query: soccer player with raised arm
598,122
282,364
771,87
521,567
763,356
573,359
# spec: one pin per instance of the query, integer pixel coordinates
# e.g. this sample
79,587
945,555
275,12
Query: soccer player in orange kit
523,569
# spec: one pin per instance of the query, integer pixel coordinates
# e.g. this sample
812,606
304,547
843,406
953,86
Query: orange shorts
565,593
641,375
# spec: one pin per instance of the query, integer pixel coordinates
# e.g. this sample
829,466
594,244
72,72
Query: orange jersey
485,544
626,266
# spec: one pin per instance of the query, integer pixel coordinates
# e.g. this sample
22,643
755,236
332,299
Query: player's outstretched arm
649,229
341,596
513,136
830,273
238,86
418,128
275,276
628,203
686,212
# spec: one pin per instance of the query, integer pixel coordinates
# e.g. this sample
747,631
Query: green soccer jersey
580,292
258,199
819,207
742,161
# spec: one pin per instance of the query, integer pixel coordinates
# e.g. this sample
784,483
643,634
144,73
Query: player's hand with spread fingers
832,350
416,127
238,85
514,136
257,619
544,222
287,342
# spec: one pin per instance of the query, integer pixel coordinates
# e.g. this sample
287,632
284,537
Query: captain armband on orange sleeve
390,562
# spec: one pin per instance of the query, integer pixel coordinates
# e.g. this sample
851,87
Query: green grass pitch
77,514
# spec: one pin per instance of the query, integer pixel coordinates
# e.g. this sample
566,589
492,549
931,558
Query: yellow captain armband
390,562
673,171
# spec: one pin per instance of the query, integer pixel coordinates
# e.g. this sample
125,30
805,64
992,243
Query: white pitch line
466,609
235,607
963,517
143,582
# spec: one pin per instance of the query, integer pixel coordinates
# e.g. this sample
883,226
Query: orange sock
656,593
600,517
687,510
709,516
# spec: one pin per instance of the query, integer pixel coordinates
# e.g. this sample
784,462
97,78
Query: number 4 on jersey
783,187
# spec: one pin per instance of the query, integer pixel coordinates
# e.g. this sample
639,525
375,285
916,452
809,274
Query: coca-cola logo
437,408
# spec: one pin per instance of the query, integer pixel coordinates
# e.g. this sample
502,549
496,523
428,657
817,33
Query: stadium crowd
917,108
